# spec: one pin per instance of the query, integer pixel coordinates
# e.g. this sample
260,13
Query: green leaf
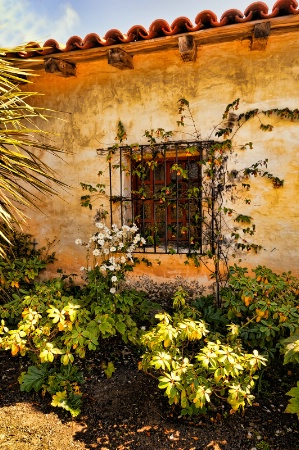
121,327
34,378
59,398
70,402
109,369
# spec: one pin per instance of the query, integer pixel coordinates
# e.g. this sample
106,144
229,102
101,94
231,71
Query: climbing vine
217,230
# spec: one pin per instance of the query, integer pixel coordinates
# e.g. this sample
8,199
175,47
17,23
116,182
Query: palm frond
23,173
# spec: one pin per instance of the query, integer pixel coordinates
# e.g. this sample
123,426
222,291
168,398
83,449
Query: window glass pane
160,212
176,212
143,172
159,172
146,210
176,175
148,190
193,170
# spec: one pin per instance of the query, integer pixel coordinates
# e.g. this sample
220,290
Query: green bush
200,353
194,370
291,356
21,265
54,328
264,306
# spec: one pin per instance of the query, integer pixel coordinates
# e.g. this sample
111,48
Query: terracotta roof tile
160,27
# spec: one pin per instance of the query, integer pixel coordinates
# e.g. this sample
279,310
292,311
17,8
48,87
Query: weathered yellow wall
100,95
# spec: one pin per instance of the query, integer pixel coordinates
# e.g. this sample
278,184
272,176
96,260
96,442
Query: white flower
101,242
112,290
101,236
143,328
142,241
122,259
103,268
125,228
78,241
99,225
121,245
96,252
112,249
113,279
106,251
82,269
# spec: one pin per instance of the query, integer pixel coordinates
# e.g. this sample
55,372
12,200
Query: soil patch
129,412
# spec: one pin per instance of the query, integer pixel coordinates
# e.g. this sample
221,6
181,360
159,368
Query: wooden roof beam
187,48
60,67
260,36
120,59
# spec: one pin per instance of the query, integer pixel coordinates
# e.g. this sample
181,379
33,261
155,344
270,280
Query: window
159,187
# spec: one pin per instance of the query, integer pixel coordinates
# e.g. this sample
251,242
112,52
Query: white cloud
21,23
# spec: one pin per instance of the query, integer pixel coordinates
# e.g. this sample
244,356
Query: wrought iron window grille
160,187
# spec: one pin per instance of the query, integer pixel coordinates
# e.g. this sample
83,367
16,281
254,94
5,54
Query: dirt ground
129,412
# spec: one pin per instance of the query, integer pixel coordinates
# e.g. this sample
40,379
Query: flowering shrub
55,328
112,251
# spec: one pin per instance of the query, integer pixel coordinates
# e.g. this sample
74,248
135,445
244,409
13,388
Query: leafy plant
62,384
20,267
54,328
264,306
193,369
291,355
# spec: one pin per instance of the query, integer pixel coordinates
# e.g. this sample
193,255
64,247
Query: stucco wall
92,103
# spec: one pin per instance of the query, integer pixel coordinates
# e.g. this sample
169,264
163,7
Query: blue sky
22,21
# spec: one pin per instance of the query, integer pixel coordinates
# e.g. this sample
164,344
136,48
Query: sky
22,21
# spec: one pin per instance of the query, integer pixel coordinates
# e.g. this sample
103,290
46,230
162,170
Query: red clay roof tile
160,28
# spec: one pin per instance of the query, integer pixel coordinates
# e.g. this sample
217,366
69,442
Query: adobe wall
92,103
